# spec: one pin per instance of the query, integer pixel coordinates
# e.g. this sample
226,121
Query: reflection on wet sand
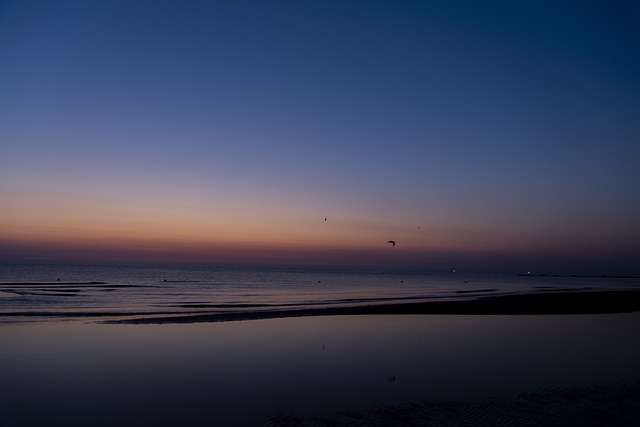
243,373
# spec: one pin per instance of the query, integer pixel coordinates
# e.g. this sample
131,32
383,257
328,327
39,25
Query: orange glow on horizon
181,230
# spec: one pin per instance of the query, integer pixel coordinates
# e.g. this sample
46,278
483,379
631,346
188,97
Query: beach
325,370
134,347
319,213
597,406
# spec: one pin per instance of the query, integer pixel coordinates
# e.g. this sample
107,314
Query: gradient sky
493,135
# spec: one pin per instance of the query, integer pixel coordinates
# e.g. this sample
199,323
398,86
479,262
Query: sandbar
543,303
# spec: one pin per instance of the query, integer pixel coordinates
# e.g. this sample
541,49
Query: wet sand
543,358
585,406
325,370
544,303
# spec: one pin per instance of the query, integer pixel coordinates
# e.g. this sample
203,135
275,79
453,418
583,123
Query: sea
62,292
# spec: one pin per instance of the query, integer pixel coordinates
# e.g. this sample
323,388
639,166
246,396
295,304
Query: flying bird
393,242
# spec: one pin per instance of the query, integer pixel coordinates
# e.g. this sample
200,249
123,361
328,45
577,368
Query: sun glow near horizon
209,132
257,226
161,234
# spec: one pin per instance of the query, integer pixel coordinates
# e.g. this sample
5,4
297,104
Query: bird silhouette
393,242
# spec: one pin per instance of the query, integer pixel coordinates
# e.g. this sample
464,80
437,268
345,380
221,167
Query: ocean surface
49,293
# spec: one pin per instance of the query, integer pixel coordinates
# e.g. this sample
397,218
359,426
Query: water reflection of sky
236,373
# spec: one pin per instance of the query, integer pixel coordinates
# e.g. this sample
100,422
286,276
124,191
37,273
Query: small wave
474,291
8,294
182,281
51,285
227,305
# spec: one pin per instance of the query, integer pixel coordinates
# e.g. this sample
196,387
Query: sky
493,135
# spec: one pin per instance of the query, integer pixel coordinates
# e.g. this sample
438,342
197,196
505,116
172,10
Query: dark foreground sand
369,370
589,406
583,302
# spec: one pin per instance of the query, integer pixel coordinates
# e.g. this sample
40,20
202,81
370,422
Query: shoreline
547,303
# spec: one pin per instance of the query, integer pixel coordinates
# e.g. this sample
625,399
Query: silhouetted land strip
59,289
597,276
522,304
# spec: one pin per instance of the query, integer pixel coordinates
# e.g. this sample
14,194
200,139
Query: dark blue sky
497,127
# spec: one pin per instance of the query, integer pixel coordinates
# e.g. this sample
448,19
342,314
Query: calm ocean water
46,292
